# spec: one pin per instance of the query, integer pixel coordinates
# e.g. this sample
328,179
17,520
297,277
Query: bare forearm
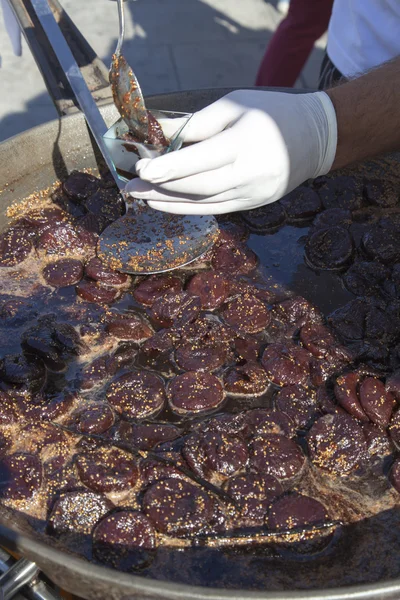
368,114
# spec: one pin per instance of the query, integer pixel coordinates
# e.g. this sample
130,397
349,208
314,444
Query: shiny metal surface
145,241
76,81
35,588
33,160
127,93
15,578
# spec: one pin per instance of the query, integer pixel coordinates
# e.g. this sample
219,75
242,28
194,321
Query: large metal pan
32,161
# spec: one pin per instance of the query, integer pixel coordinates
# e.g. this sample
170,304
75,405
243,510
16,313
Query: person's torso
363,34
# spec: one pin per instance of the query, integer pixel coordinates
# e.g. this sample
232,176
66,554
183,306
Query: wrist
326,130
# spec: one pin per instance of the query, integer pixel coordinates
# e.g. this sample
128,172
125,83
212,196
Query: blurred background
171,45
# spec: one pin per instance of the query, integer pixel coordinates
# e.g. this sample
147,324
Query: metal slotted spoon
146,241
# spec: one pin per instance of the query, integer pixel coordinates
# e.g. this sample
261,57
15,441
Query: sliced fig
77,512
276,455
337,444
347,396
212,288
20,476
177,507
195,392
376,402
137,395
64,272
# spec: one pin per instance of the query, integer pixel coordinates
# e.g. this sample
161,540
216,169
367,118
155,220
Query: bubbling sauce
209,411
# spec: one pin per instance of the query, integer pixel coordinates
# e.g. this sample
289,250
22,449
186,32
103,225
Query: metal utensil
75,79
144,241
128,97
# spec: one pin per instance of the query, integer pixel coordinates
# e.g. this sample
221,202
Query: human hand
253,148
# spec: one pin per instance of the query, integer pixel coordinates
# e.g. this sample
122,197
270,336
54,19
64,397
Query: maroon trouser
293,41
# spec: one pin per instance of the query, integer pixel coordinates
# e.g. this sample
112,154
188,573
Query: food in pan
178,410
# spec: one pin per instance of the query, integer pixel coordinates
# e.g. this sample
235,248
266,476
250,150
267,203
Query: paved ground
172,44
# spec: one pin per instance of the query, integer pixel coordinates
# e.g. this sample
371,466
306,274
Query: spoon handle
121,18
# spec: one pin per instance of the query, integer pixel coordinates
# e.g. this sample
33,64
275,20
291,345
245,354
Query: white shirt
363,34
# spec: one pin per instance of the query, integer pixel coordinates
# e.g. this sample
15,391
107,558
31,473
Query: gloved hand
254,147
12,27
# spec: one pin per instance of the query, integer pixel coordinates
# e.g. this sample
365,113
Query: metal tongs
144,240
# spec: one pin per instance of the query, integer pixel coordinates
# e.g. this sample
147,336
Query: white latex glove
12,27
254,147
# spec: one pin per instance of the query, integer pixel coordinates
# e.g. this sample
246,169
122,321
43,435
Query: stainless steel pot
32,161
